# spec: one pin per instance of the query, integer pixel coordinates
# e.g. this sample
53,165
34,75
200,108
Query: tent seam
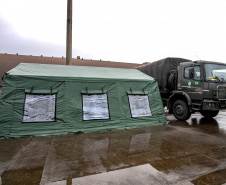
13,110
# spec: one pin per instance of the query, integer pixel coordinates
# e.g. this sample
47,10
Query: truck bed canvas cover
161,69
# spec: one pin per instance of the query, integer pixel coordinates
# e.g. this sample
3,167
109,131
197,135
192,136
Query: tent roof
49,70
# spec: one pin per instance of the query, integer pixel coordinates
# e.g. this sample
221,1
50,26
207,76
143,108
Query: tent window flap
39,108
95,107
139,106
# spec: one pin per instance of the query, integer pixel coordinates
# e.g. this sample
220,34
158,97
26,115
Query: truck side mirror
191,73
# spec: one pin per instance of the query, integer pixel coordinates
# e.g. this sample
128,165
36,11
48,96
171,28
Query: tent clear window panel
95,107
39,108
139,106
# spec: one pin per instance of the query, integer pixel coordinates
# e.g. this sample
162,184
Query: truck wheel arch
178,96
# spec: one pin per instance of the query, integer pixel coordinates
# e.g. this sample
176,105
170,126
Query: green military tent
41,99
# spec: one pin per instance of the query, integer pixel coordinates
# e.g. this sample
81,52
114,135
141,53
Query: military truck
189,86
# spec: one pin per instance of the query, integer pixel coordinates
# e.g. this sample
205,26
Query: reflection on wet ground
216,177
194,150
22,176
216,123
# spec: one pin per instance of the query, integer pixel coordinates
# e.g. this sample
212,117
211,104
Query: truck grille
214,92
221,92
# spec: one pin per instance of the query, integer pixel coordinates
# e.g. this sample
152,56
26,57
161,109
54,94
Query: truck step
196,106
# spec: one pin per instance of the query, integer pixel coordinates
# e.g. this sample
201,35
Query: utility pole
69,33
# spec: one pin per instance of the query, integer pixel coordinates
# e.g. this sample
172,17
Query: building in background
9,61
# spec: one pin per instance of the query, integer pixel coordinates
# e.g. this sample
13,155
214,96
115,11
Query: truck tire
208,113
181,110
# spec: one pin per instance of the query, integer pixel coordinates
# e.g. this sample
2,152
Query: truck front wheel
208,113
181,110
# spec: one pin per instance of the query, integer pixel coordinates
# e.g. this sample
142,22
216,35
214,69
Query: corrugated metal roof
9,61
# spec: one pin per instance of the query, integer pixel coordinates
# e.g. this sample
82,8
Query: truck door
192,82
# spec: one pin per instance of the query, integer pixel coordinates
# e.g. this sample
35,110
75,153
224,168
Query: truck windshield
215,72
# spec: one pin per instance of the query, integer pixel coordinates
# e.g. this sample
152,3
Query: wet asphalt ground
193,151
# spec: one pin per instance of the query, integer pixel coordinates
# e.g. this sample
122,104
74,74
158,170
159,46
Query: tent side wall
69,112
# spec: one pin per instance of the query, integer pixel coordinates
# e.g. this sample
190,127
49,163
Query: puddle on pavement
80,155
168,148
163,147
23,176
206,125
214,178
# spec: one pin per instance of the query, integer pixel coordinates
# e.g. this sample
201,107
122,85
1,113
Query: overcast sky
116,30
